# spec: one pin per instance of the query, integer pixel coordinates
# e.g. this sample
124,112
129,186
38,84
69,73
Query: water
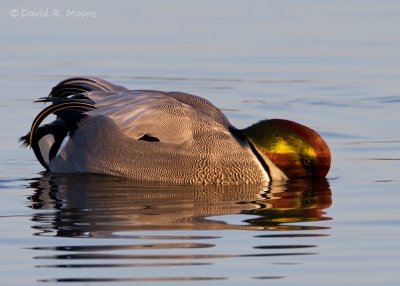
334,66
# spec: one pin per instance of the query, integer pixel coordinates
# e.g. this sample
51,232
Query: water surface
332,66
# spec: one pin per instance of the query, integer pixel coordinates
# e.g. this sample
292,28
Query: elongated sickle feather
75,85
93,82
53,109
79,97
69,89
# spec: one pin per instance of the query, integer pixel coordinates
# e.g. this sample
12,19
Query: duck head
296,149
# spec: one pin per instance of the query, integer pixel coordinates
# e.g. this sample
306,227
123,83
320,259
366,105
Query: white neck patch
45,144
274,172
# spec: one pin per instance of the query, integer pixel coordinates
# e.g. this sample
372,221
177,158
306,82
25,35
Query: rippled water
334,66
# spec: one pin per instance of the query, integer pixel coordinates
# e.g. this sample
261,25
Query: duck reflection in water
101,206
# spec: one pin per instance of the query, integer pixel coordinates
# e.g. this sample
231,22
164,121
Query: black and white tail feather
69,103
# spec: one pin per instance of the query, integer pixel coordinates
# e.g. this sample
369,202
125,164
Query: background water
332,65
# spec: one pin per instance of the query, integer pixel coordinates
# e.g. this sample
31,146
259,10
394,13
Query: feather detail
55,109
76,85
70,103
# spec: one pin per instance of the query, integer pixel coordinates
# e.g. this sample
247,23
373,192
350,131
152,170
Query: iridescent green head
296,149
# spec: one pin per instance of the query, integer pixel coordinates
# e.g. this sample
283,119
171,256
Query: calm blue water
334,66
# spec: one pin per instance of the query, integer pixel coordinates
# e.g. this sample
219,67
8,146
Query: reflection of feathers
121,204
145,135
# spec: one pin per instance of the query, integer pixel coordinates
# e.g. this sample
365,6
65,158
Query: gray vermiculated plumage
195,144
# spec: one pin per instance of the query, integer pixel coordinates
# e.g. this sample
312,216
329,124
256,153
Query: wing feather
157,114
56,108
74,85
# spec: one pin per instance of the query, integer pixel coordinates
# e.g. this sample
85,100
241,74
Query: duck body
146,135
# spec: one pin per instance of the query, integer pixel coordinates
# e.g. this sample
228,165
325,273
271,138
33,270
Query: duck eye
149,138
307,163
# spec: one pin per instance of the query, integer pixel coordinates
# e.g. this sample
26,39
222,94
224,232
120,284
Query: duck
166,137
